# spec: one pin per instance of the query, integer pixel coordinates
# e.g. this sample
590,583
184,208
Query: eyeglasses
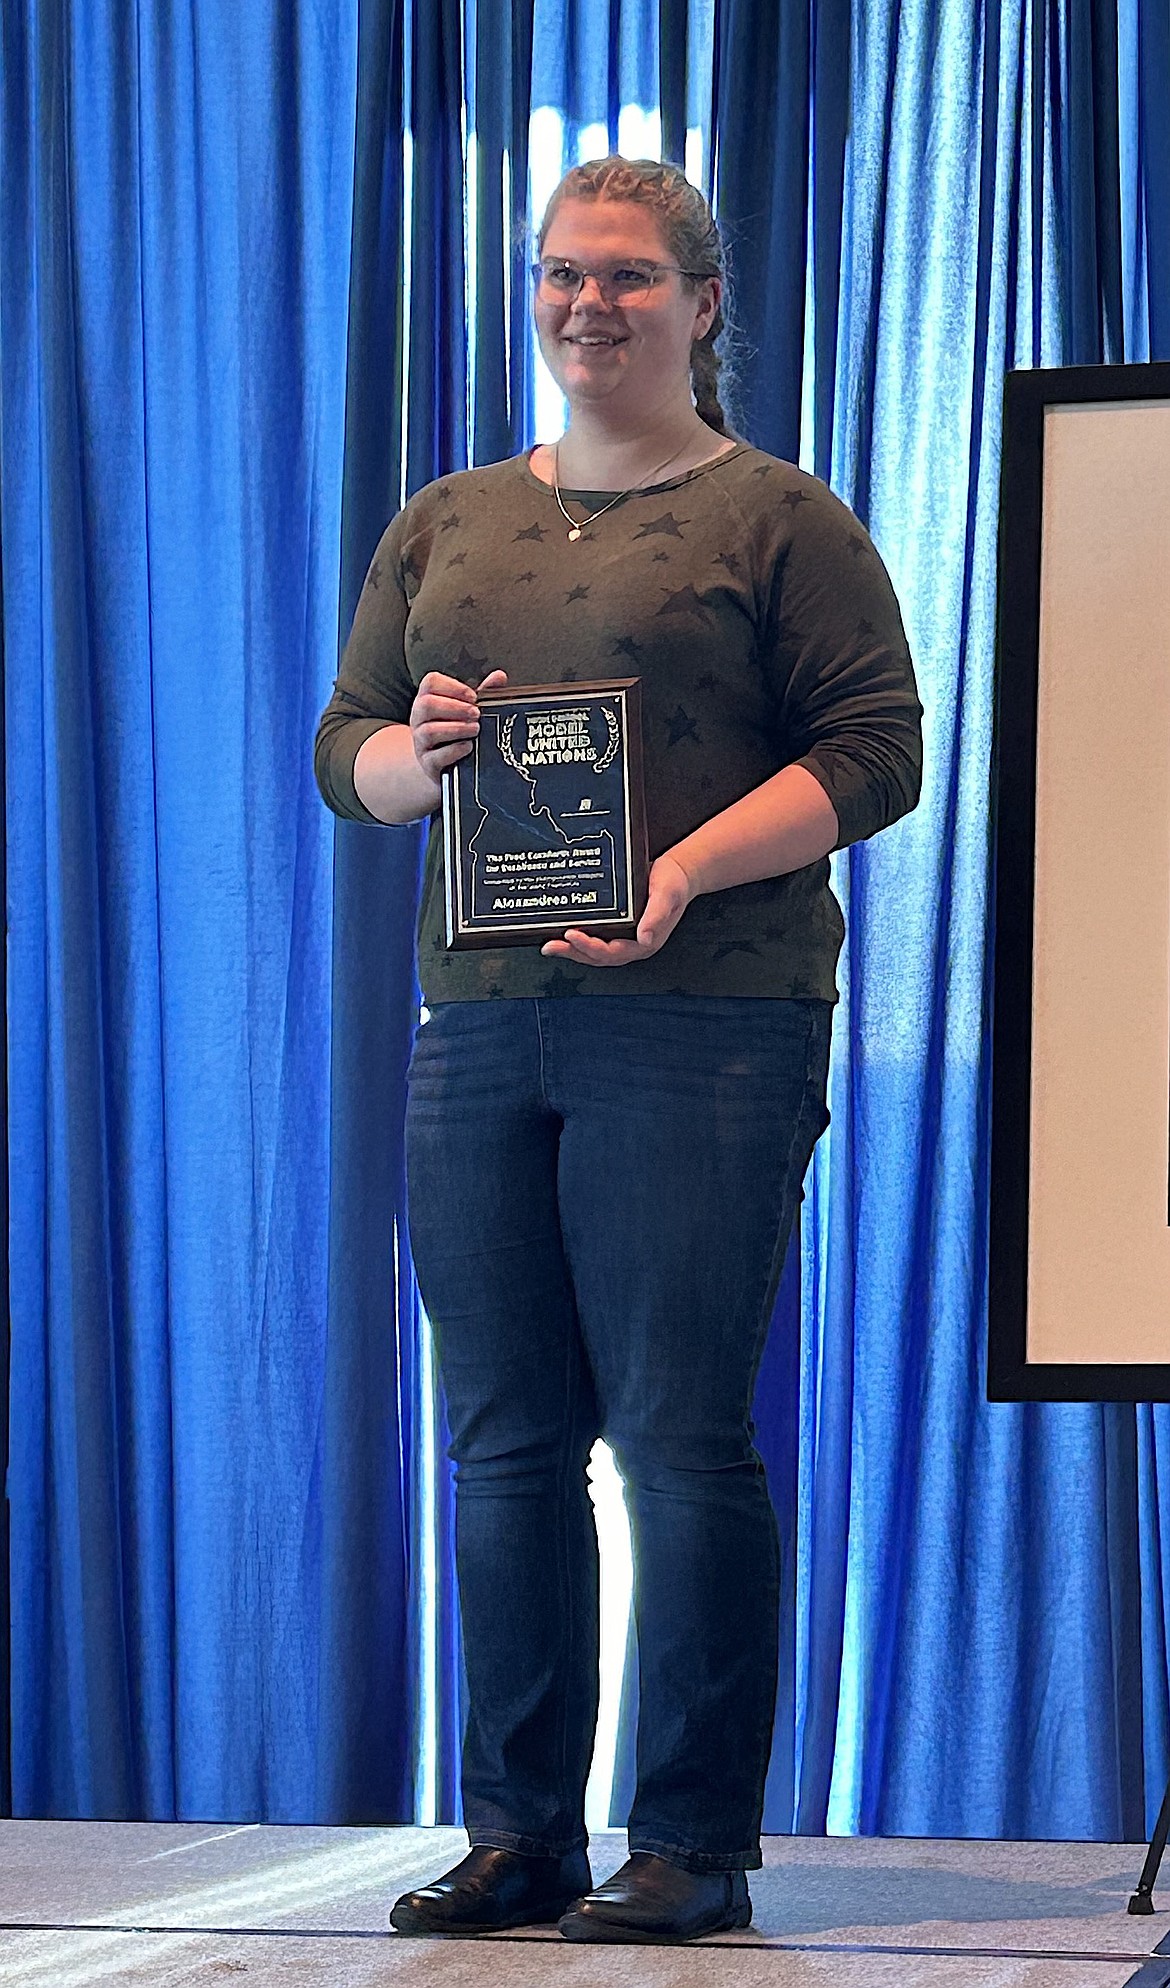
560,282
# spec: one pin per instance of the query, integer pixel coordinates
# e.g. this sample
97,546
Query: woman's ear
708,300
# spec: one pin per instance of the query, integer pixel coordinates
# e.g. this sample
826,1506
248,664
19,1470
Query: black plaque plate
544,821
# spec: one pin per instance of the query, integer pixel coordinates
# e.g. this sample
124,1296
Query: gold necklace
576,529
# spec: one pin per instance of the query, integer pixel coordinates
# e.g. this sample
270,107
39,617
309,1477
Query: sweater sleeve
373,686
842,667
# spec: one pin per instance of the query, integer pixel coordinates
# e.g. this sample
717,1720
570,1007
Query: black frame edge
1027,396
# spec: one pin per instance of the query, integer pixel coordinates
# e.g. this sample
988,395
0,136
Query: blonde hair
690,232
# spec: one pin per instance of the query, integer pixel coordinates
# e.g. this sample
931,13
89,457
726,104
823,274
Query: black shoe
656,1902
493,1889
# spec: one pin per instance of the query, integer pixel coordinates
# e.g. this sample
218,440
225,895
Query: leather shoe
492,1889
657,1902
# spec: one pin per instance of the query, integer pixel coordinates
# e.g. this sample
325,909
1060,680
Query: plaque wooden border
460,936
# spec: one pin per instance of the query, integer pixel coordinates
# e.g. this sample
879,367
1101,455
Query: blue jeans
601,1192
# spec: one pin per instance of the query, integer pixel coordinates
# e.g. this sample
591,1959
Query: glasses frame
603,278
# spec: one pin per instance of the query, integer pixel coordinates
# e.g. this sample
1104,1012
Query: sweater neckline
524,464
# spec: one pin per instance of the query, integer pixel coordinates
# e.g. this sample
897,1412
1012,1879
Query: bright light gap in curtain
808,374
425,1551
509,252
421,1577
407,209
471,259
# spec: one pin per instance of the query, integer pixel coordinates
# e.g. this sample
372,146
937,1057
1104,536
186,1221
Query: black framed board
1079,1293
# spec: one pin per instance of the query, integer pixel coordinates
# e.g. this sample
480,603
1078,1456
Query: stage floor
157,1904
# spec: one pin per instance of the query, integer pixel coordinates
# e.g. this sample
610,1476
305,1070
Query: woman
601,1189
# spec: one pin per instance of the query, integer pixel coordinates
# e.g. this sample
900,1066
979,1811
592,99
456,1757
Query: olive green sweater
762,623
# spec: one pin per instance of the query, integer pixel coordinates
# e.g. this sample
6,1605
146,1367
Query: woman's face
633,355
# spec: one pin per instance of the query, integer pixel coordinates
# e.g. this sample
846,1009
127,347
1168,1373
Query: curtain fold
975,1589
761,119
436,434
365,1746
173,259
500,104
672,78
242,311
1152,58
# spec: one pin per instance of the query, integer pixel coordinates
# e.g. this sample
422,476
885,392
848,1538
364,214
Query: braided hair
691,234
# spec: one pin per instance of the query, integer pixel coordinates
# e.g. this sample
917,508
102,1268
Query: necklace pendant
575,532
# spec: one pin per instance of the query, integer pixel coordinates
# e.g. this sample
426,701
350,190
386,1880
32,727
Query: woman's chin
589,382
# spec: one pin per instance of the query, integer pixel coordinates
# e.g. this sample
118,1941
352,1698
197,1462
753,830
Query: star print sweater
765,631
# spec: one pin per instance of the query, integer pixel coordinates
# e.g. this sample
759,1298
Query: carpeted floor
157,1905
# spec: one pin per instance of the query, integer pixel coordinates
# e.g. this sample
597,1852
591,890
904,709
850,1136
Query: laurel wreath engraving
614,742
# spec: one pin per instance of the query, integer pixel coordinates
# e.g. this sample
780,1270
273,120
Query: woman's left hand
670,893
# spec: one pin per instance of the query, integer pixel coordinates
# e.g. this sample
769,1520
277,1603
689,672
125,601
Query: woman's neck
592,455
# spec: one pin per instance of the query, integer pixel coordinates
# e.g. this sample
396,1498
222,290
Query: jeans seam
698,1861
529,1846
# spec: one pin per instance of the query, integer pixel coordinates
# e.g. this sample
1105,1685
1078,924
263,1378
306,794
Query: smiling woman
601,1189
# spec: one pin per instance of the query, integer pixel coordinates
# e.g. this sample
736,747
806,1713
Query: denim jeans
601,1191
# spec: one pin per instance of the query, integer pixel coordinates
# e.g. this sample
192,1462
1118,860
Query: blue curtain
174,249
233,335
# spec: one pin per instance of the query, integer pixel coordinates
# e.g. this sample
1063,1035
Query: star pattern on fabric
560,982
683,601
564,978
374,576
730,946
466,661
668,523
681,726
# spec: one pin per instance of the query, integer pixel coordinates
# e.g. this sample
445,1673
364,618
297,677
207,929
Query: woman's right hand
444,719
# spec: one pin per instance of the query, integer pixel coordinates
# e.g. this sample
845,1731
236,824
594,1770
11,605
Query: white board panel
1099,1238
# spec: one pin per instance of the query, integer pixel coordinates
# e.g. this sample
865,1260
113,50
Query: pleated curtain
262,276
